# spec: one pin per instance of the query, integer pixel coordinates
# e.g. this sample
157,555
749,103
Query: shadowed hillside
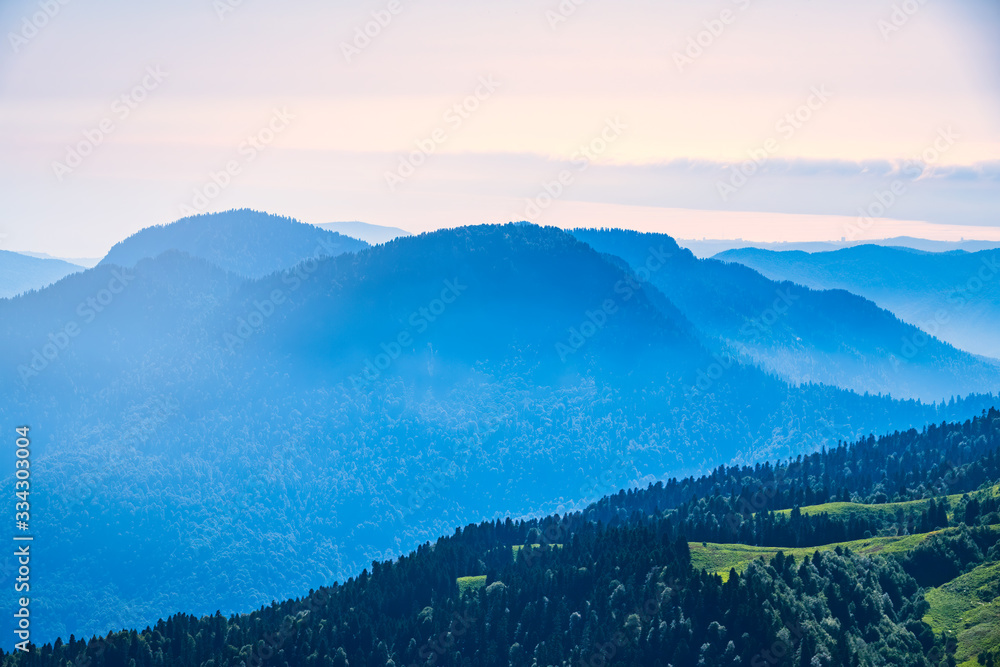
954,295
802,334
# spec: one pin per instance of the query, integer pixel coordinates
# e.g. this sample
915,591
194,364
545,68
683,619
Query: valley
360,403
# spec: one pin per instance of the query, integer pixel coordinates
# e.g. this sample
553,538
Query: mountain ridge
21,273
164,453
955,296
241,241
831,335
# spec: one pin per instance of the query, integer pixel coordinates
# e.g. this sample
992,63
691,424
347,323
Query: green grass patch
842,509
968,607
720,558
470,583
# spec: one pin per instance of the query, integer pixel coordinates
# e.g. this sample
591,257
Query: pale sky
832,97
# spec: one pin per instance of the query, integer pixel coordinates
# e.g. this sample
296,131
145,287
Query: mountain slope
516,295
204,442
623,594
954,296
582,588
244,242
21,273
968,608
801,334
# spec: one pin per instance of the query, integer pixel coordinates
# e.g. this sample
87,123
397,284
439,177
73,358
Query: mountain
954,296
20,273
203,441
711,247
801,334
619,581
244,242
85,262
373,234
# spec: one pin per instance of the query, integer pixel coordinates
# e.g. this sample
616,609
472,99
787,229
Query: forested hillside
797,330
245,242
197,424
610,585
953,295
902,483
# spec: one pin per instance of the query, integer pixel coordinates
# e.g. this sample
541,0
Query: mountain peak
241,241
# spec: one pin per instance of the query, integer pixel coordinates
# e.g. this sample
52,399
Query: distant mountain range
711,247
204,440
85,262
954,296
369,233
20,273
245,242
801,334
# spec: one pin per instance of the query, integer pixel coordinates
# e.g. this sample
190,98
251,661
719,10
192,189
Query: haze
534,82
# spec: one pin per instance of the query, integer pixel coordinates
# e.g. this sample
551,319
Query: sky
764,120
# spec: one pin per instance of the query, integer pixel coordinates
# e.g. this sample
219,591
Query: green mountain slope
605,584
968,609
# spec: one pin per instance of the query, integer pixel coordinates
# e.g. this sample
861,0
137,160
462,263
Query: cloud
354,119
